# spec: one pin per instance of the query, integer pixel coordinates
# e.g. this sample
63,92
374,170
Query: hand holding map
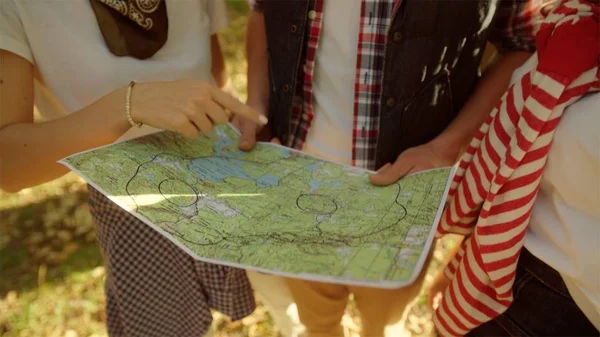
273,209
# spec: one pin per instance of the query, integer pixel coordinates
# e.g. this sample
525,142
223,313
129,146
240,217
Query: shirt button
293,28
397,36
312,14
286,88
390,102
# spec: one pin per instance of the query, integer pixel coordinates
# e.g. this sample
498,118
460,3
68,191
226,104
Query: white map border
383,284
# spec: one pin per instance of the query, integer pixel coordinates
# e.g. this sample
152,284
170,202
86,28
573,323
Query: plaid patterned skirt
154,288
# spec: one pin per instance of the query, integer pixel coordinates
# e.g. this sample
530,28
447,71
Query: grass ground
51,273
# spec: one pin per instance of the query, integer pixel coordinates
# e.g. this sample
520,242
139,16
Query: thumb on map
248,138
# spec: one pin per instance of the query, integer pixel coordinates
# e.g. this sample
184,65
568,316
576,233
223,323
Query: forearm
218,68
29,151
258,68
486,95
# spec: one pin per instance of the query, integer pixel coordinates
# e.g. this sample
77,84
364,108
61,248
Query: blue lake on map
314,185
312,167
224,142
215,169
267,181
285,153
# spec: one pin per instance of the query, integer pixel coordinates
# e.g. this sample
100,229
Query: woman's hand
249,130
29,151
418,158
187,107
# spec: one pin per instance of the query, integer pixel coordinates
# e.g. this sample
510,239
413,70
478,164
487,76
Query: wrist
138,102
448,148
128,106
116,103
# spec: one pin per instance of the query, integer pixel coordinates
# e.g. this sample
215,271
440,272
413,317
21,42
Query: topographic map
274,209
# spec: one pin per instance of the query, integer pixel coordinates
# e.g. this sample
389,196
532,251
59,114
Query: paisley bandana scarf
136,28
494,189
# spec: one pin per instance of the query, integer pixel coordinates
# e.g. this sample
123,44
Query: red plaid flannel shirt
514,29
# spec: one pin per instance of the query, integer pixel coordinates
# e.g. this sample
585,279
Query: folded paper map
273,209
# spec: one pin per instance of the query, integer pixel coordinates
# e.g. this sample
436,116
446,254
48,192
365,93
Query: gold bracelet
128,106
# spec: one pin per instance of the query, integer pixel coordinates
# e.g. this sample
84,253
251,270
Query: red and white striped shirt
495,187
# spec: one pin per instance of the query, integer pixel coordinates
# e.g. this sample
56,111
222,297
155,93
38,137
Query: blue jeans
542,306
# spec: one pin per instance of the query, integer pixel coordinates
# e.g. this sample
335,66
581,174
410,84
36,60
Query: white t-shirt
63,41
564,231
330,134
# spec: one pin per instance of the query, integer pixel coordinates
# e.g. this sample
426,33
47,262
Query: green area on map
272,209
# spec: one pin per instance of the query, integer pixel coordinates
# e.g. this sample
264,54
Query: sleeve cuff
18,48
219,18
219,24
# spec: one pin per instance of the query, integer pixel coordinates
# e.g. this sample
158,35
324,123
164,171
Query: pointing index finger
236,107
